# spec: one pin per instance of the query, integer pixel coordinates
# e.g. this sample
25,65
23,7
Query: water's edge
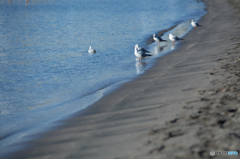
52,125
18,140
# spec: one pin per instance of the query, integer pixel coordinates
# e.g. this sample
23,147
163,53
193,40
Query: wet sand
183,107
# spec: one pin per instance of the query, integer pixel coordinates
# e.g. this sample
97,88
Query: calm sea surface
45,70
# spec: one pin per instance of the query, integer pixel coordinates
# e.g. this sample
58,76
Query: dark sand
183,107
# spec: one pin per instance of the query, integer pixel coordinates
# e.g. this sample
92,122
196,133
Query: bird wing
177,38
143,50
198,24
174,37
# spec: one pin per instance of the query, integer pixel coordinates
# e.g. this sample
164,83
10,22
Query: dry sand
183,107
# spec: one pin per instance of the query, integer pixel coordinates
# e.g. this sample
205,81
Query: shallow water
45,70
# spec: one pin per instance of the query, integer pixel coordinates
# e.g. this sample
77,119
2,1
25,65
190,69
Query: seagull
174,38
195,24
140,52
90,50
158,39
142,49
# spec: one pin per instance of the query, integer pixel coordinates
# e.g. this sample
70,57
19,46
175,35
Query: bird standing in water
174,38
91,50
140,52
195,24
158,39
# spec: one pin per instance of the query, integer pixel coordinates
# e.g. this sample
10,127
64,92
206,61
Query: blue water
45,70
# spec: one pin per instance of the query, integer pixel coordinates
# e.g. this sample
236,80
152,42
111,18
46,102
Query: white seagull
158,39
195,24
90,50
174,38
140,52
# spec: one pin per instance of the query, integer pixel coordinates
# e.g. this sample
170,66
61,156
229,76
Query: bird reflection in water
140,66
173,47
158,49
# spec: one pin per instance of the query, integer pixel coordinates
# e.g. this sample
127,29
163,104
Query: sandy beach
183,107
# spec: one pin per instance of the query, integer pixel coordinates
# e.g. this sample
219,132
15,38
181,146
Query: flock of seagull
140,52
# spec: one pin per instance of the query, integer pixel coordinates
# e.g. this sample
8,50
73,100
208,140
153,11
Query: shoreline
108,89
98,93
147,117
